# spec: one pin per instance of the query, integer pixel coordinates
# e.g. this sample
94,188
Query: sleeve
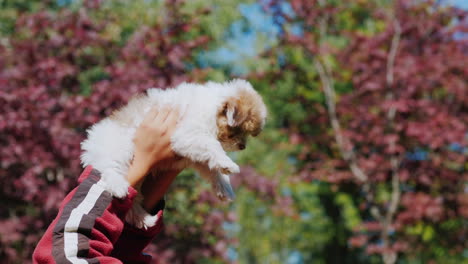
89,224
130,245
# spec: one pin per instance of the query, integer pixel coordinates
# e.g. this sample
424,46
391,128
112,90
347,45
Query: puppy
217,117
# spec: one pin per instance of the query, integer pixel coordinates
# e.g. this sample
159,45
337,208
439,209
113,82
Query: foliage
363,158
401,74
274,200
61,72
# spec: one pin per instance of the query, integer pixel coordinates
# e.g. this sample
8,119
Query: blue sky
461,3
242,39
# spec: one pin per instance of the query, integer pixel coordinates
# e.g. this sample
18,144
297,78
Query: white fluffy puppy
217,117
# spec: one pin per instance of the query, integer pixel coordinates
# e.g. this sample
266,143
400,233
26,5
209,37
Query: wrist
136,173
155,187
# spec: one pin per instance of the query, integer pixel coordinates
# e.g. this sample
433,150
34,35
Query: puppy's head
241,114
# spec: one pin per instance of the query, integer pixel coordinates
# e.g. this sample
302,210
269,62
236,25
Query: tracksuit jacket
90,227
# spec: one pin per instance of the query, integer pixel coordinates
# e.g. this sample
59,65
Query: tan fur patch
249,112
248,119
221,122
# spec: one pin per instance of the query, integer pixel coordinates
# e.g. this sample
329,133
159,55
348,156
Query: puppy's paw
227,167
138,217
223,197
230,170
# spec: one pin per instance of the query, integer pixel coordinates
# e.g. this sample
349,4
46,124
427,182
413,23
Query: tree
391,132
363,153
62,70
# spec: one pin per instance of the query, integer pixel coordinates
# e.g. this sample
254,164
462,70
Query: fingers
163,112
172,119
151,115
162,115
167,117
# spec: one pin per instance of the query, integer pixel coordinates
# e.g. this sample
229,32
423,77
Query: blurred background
364,157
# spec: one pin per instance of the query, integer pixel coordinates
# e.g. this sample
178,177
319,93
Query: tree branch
391,66
394,160
390,257
348,154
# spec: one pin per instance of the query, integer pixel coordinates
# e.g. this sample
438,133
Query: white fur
109,146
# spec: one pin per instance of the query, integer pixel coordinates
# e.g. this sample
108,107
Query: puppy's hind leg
220,182
223,188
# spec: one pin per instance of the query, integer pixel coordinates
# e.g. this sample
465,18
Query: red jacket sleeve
90,228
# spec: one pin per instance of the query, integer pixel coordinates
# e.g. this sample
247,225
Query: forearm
129,248
154,187
89,225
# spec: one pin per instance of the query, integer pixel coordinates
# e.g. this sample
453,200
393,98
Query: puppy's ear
233,111
231,114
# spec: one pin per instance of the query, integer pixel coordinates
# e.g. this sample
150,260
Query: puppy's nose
241,146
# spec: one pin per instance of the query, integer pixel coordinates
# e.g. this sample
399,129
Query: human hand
152,143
